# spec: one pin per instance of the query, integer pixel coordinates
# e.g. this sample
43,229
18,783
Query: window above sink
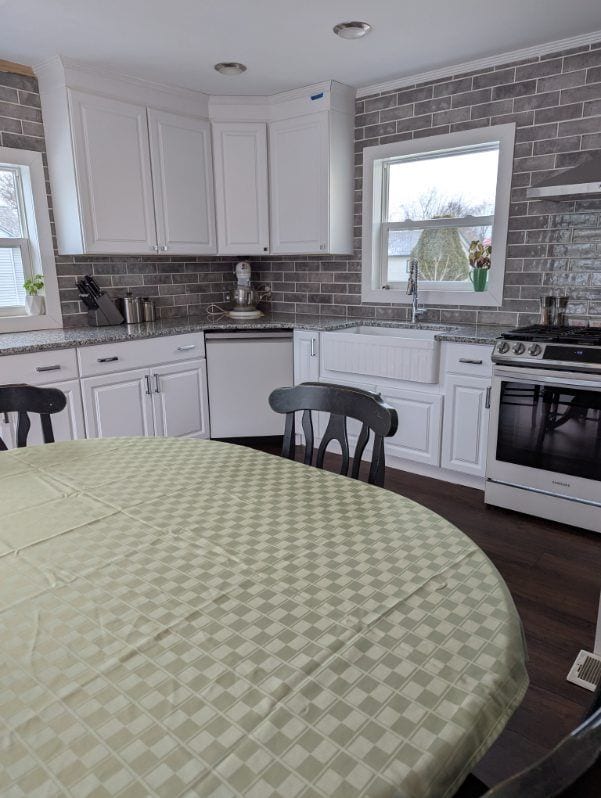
428,199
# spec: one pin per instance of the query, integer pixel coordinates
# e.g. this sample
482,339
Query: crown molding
104,72
480,63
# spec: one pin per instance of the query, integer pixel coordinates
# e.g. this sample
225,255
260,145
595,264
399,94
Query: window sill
467,296
27,323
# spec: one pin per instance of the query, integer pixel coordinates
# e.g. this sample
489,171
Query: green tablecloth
190,618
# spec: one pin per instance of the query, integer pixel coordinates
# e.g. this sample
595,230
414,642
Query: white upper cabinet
298,169
131,167
180,155
241,189
130,164
110,142
291,194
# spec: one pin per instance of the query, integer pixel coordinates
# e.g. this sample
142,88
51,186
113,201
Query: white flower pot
34,304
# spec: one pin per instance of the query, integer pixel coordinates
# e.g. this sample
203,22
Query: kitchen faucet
412,290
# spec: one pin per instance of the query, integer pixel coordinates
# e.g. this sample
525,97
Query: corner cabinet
311,184
284,171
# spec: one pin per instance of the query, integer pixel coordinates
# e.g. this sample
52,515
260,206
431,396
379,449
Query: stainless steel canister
149,311
131,308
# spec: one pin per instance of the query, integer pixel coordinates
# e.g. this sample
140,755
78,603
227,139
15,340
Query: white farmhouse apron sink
399,353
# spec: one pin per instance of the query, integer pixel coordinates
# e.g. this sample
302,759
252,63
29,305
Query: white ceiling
284,43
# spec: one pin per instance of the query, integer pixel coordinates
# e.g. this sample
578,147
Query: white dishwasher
243,368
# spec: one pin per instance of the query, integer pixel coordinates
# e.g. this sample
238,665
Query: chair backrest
24,399
341,402
571,770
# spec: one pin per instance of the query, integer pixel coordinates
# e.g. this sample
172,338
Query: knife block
105,314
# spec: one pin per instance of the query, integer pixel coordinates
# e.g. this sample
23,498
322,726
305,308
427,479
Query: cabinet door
420,421
465,424
117,405
68,425
182,173
112,157
240,151
299,177
180,401
306,356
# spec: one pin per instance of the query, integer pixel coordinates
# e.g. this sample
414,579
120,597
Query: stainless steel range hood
579,181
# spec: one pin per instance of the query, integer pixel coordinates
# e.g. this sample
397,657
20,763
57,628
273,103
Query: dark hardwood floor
554,574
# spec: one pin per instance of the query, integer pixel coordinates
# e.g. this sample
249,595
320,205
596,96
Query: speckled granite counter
19,343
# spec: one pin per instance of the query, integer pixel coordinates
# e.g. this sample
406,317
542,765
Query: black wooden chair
24,399
571,770
341,402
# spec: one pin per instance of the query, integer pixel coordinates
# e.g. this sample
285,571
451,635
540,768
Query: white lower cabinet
465,424
180,401
118,405
420,421
162,400
306,356
68,425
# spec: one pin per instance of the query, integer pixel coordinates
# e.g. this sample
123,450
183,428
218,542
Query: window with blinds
15,263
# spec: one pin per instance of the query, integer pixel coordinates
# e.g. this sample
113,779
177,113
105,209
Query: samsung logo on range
563,484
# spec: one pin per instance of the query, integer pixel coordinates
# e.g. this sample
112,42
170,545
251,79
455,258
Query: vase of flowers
34,302
479,257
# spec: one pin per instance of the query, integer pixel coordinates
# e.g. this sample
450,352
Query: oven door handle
556,381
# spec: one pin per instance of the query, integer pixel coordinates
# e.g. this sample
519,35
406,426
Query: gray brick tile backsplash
555,102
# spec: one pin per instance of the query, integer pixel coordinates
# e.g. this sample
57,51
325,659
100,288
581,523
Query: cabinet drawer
126,355
471,359
39,368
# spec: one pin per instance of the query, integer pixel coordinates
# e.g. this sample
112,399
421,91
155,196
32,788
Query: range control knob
519,348
503,347
534,349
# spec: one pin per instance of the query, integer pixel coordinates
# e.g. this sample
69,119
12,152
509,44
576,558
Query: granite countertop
40,340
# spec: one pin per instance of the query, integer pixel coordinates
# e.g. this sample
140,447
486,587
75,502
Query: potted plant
33,301
479,257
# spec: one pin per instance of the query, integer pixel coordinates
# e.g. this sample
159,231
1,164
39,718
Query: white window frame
37,249
376,162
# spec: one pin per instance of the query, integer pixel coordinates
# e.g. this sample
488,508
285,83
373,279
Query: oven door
545,432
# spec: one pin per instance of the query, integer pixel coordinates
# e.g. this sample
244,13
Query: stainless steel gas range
544,449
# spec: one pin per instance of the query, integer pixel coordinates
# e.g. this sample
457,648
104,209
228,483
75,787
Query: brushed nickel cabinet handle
157,384
108,359
312,347
148,388
48,368
471,360
186,348
487,400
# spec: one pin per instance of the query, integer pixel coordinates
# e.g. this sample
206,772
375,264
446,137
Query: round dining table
186,617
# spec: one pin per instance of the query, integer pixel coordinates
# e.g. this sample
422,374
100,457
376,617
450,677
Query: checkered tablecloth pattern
191,618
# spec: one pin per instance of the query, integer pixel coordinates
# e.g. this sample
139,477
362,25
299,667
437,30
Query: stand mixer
244,296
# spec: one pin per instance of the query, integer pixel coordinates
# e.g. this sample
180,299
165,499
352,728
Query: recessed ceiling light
351,30
230,68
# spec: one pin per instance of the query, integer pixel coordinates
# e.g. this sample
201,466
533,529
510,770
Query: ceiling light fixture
230,68
351,30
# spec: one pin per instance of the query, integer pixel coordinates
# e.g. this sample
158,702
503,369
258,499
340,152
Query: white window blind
12,293
14,244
